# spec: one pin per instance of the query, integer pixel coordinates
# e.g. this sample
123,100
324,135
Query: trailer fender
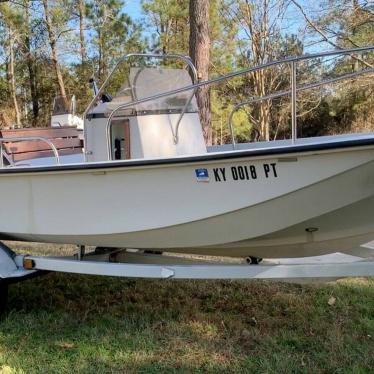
7,262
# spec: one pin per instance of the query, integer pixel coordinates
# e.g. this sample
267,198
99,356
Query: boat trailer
117,262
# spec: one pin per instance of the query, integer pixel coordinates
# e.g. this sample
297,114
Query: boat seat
65,139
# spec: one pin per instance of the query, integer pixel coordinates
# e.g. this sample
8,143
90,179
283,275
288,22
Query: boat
64,113
145,179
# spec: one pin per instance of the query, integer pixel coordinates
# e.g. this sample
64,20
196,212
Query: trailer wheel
3,296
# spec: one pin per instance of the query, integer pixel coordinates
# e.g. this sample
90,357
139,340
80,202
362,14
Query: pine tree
115,33
200,53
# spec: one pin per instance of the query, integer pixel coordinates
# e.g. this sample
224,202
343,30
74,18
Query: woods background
52,48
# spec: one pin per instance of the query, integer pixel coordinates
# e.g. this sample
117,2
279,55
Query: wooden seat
65,139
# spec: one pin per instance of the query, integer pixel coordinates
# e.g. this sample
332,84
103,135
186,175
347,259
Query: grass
63,323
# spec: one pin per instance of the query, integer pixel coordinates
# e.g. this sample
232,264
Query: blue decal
202,175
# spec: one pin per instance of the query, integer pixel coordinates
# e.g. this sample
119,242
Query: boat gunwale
206,157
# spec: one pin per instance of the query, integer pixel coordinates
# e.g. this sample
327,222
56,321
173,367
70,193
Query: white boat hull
266,206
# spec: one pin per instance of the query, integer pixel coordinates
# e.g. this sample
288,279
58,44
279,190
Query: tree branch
324,36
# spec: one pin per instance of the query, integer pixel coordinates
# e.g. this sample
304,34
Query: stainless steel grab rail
126,57
288,92
24,138
289,60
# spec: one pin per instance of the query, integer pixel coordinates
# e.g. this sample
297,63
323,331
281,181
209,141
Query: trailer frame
117,262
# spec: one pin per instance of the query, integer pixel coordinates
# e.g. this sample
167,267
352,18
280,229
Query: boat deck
273,144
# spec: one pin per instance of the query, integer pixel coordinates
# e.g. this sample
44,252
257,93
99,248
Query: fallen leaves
65,345
332,301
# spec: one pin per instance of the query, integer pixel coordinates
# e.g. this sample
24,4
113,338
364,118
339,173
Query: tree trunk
264,111
53,45
12,79
31,67
199,52
101,68
260,49
81,10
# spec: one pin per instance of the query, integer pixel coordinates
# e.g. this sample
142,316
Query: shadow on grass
59,322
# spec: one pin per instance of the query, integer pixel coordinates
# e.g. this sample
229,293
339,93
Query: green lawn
64,323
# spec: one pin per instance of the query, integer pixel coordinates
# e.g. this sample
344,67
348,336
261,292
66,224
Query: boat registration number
237,173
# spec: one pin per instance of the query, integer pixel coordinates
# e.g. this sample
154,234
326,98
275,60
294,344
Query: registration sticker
202,175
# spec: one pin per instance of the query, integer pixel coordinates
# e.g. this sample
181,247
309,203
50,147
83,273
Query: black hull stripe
200,158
